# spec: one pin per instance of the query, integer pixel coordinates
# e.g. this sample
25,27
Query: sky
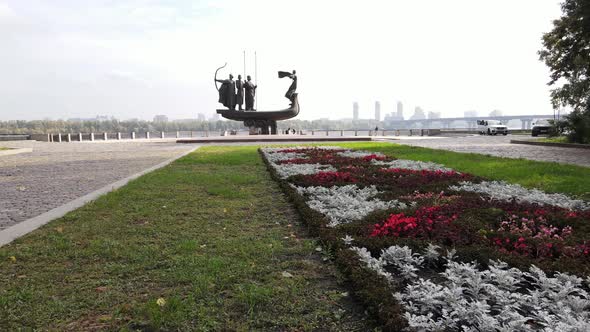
65,59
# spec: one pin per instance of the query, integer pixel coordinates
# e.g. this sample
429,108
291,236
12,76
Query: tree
567,54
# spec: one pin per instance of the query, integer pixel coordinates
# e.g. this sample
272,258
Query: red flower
422,223
331,178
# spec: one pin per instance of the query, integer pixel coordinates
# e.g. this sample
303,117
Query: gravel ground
54,174
500,146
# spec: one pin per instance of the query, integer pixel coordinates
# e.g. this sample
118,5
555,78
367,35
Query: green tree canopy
567,53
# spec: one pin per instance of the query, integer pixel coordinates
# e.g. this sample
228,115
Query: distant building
495,113
400,110
434,115
355,111
81,119
104,118
201,117
215,117
377,111
394,119
470,114
160,118
418,114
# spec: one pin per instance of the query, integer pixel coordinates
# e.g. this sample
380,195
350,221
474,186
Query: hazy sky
132,58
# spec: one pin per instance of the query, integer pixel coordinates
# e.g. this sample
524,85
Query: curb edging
12,151
560,145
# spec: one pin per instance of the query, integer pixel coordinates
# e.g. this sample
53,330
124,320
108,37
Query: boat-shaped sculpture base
266,121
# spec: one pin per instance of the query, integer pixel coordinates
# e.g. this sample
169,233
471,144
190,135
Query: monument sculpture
250,93
263,121
240,92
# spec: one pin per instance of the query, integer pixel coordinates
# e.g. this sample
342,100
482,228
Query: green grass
211,234
560,139
551,177
3,148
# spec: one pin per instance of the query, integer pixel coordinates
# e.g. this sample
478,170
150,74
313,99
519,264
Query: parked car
542,126
491,127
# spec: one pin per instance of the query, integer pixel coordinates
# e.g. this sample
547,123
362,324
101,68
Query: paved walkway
500,146
54,174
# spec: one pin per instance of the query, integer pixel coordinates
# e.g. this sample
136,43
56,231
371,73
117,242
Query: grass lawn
211,235
560,139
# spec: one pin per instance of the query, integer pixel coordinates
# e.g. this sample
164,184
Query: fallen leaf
101,289
12,259
161,302
60,229
318,249
287,274
224,210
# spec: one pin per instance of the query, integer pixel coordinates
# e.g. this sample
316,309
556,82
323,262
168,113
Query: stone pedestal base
262,127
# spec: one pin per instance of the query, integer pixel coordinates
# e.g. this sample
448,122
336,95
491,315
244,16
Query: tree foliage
567,54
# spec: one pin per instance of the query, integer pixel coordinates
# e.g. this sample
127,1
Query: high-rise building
377,111
355,111
400,110
418,114
160,118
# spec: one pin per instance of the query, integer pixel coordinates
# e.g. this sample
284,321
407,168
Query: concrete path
55,174
500,146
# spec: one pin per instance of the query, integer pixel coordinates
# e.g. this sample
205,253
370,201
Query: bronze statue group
232,93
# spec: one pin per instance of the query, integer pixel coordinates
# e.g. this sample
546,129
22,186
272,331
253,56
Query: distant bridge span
471,121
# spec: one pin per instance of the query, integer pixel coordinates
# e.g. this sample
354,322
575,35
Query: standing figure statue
240,92
250,92
227,92
293,88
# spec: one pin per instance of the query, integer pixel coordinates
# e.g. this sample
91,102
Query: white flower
276,157
431,253
499,298
347,240
503,191
287,170
411,164
359,154
346,203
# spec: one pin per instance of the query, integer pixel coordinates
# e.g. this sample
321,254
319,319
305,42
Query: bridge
446,123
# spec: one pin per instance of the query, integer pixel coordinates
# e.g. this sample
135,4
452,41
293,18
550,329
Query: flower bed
365,205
